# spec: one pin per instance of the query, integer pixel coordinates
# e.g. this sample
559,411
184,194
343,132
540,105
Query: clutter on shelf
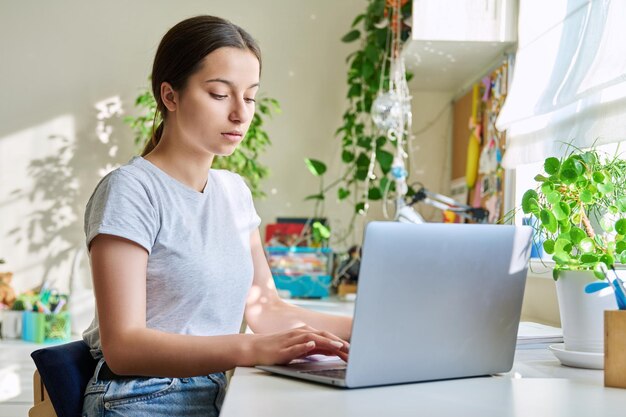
300,262
38,315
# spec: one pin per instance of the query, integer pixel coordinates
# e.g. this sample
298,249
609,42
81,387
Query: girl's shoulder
129,177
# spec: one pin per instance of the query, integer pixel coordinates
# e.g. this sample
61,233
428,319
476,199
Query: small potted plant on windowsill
580,204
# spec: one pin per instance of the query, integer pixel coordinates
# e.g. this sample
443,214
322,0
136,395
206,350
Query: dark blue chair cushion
65,371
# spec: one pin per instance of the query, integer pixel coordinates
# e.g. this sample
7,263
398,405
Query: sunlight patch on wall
17,150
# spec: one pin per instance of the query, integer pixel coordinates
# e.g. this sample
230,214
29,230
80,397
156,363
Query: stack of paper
534,335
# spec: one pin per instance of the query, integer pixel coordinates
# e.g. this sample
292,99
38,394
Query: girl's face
217,105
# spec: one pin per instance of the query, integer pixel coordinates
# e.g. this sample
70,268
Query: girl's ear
169,96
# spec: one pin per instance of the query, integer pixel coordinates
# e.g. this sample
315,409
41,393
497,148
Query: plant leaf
548,246
561,258
372,53
362,167
547,187
620,226
607,259
314,197
351,36
354,91
577,234
587,245
323,231
385,159
342,193
606,188
568,176
553,197
586,197
367,71
551,166
598,177
589,157
598,272
589,258
548,220
316,167
357,20
562,245
561,211
374,193
529,206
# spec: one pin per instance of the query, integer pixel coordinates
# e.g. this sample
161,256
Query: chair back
65,371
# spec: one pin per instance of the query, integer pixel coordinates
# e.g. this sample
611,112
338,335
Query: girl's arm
267,313
130,348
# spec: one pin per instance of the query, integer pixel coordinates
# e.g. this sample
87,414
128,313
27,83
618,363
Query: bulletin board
460,134
478,147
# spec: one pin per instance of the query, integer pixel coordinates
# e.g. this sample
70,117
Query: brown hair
180,55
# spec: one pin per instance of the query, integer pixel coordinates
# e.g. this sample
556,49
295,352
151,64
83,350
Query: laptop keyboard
339,373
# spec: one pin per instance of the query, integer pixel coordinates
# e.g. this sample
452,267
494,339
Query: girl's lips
235,137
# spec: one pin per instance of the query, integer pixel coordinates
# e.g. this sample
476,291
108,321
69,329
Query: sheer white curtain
569,84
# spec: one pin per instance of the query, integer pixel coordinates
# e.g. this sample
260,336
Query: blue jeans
154,397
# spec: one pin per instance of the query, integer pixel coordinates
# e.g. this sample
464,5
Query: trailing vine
361,142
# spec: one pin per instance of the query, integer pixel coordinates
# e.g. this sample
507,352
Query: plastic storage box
304,272
44,328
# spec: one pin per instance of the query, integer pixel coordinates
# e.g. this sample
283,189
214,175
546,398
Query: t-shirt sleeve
122,206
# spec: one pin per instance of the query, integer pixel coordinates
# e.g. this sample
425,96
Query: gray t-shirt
199,264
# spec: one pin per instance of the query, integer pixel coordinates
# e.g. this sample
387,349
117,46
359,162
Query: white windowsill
543,268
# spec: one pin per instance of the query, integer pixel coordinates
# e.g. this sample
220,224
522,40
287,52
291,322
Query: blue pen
618,287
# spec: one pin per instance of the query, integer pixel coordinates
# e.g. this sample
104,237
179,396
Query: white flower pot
582,315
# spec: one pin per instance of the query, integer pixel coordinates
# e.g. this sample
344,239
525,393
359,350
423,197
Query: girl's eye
250,100
218,96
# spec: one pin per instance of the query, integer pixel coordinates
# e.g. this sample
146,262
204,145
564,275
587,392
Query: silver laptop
434,301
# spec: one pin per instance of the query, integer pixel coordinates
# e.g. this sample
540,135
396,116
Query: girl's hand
283,347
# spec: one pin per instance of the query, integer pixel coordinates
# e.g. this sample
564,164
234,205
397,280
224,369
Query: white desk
545,389
537,386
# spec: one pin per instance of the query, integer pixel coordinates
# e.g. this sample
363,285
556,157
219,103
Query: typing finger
322,342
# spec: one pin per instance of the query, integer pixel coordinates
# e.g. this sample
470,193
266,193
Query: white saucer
589,360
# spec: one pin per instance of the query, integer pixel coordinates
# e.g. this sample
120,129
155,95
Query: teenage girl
176,256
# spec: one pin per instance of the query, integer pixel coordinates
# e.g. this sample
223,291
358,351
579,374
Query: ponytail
155,137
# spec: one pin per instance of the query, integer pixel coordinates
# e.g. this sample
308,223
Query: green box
44,328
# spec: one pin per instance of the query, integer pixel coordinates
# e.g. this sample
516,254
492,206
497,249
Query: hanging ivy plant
368,72
244,161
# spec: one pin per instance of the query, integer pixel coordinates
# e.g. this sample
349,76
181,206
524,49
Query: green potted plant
580,207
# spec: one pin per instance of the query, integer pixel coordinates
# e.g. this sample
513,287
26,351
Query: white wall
432,146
